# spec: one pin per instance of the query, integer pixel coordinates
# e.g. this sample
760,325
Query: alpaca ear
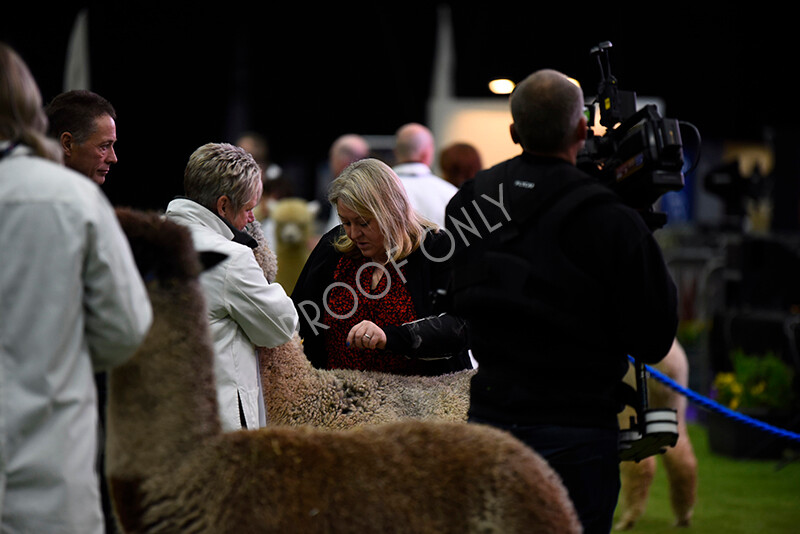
209,258
313,208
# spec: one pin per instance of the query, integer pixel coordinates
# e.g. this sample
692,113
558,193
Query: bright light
501,87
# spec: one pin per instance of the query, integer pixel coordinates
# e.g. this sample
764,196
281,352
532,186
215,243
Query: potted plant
760,387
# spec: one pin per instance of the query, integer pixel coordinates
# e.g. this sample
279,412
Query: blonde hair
371,188
221,169
22,119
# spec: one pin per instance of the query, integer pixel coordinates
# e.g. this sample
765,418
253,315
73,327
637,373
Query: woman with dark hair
460,162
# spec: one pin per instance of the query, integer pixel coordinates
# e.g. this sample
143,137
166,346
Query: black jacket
437,337
559,282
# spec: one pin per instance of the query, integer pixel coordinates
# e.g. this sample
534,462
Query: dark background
181,76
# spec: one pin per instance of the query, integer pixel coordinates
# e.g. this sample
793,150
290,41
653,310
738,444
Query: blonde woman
366,296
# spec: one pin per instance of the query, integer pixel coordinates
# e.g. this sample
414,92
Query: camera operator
563,283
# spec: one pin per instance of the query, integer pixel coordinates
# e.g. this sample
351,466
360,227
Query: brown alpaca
171,469
264,255
679,461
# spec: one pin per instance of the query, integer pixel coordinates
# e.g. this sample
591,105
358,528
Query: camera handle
615,105
650,431
597,51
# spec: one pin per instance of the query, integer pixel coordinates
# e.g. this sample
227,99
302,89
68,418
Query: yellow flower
724,379
729,390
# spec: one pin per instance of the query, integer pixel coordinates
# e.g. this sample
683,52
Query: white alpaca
171,469
294,225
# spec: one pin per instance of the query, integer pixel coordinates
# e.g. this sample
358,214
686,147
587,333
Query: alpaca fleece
264,255
295,393
171,469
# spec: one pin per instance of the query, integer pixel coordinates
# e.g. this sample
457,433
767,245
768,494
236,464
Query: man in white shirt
414,153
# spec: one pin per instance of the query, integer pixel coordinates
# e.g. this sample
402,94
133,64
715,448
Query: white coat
71,303
245,312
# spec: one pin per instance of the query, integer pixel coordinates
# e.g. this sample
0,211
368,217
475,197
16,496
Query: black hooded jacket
559,281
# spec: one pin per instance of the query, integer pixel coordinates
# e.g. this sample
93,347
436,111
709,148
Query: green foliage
757,381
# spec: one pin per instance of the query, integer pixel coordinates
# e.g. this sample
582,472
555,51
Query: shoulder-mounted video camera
640,155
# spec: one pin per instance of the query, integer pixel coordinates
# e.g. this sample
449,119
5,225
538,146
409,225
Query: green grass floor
733,495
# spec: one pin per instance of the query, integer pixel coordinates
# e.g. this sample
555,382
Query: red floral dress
350,301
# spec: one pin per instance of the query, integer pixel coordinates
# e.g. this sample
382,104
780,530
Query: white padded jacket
245,312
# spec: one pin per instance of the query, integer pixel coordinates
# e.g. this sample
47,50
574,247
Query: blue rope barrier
709,404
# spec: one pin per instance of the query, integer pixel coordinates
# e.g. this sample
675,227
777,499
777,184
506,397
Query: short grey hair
221,169
546,107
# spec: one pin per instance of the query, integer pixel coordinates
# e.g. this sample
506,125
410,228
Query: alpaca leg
636,478
680,464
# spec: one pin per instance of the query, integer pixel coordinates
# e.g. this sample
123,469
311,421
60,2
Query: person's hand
366,335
